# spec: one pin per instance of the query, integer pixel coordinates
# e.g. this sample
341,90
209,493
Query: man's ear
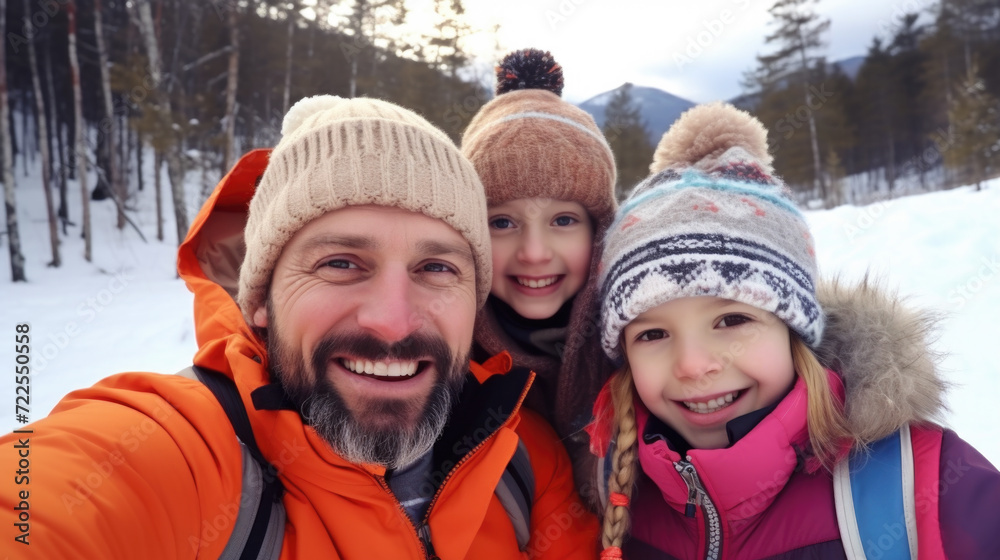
260,317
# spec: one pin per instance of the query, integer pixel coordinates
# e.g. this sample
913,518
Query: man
347,330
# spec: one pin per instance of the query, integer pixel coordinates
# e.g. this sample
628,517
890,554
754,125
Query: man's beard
381,432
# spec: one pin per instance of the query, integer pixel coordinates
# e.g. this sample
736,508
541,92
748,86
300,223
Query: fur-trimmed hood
881,349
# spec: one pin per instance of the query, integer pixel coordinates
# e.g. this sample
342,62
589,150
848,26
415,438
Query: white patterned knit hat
711,221
338,152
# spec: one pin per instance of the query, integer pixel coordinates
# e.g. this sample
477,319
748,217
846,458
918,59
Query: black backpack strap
260,522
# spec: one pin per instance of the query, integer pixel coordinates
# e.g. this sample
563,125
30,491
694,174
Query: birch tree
799,35
10,202
142,16
116,182
81,136
232,80
43,137
293,16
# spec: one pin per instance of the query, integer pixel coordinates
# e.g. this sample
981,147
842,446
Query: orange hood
209,259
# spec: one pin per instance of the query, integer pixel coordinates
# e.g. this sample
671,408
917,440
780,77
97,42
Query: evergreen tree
629,140
975,116
798,36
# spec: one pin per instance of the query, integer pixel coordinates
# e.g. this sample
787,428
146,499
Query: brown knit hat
338,152
529,143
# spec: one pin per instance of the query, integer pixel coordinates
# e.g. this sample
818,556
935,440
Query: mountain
850,66
658,108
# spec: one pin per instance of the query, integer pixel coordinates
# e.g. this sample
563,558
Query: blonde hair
829,434
827,426
624,461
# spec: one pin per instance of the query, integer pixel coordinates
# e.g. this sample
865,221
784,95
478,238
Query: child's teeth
532,283
712,405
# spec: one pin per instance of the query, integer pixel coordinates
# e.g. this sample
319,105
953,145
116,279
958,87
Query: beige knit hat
338,152
529,143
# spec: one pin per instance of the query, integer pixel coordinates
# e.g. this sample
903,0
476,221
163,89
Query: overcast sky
699,51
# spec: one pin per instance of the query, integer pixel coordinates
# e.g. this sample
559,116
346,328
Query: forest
90,89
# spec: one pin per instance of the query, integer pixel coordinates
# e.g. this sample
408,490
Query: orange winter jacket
148,466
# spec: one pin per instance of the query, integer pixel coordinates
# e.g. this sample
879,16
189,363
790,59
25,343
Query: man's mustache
417,346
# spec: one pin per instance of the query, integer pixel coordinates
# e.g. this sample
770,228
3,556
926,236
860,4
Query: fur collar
881,349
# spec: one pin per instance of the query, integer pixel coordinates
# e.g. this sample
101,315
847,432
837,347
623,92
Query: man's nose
390,310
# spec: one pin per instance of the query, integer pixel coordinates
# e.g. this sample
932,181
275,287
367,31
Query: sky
698,50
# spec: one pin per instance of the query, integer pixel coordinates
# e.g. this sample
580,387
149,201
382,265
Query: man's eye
734,320
652,334
437,267
341,263
564,221
501,223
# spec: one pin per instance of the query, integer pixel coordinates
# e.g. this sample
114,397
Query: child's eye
652,334
501,223
564,221
734,320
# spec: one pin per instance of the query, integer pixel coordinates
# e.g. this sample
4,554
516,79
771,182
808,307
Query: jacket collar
767,457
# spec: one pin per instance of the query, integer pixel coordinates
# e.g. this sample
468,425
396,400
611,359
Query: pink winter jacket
769,507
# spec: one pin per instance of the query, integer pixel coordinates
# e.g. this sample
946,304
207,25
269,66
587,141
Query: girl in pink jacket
736,427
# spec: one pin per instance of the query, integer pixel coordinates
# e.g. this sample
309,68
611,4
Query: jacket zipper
424,541
697,495
424,532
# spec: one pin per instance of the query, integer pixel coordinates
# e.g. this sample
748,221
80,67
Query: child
549,177
731,439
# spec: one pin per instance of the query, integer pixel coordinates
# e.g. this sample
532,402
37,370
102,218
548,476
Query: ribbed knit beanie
711,221
529,143
335,153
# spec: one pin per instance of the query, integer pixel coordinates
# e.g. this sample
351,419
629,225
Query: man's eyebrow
430,247
345,241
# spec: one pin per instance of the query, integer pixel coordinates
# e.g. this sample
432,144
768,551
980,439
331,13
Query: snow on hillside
127,311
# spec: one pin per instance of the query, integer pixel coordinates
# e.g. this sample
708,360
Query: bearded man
336,283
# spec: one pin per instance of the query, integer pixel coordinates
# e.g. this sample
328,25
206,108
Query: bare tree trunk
817,167
116,183
231,82
293,13
25,148
143,18
157,164
63,210
10,202
138,158
81,137
43,138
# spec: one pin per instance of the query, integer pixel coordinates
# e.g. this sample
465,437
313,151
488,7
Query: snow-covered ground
127,311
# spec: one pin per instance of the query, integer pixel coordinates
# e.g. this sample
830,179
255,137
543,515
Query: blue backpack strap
516,491
260,522
876,503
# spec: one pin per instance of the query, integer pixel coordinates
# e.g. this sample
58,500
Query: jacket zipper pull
425,537
692,504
